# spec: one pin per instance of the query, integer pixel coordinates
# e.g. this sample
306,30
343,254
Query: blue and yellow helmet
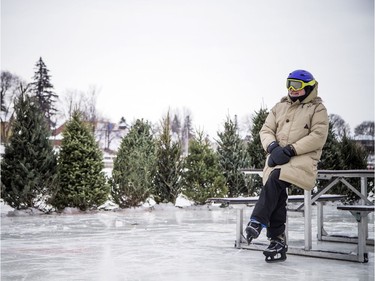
299,79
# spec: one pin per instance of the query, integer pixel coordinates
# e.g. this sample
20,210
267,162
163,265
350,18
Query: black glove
278,157
270,162
289,150
272,146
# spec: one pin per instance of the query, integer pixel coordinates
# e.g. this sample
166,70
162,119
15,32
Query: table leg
308,228
364,192
320,220
239,227
361,248
361,239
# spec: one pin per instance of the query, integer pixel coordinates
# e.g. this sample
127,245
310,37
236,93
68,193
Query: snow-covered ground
158,242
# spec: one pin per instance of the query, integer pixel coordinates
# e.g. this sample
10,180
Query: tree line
149,163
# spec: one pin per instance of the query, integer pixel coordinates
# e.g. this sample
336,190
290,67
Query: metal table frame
360,213
334,177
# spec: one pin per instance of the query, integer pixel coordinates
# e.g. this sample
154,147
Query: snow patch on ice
183,201
71,211
5,208
109,206
149,203
25,212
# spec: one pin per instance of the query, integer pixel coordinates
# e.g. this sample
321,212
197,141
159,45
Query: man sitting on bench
293,134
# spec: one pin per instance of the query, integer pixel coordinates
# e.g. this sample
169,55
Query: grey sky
214,58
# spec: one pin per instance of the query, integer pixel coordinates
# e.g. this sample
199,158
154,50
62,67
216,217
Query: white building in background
367,141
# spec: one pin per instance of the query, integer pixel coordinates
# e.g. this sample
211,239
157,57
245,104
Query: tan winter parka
304,125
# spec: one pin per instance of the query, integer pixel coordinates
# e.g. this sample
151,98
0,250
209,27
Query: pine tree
134,167
82,183
43,90
354,156
176,125
331,158
256,151
202,177
255,148
233,157
169,165
28,168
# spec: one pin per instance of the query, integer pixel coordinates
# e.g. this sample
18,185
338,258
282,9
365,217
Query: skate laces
254,228
277,243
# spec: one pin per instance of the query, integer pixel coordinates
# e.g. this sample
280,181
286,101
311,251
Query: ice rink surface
166,243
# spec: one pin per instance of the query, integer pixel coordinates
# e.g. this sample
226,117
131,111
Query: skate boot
277,249
253,230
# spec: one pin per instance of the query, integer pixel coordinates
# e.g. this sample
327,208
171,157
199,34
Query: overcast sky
215,58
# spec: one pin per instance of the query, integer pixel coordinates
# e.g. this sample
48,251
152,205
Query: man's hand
280,155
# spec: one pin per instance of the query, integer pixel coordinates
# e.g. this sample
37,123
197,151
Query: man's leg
277,220
271,197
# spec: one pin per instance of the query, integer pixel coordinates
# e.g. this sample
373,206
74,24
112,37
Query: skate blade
248,239
275,258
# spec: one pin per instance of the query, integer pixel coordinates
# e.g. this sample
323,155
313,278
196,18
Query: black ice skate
253,230
277,249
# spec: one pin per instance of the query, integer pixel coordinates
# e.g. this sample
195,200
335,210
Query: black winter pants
270,210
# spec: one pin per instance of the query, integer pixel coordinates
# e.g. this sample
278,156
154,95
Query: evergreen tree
82,182
169,165
331,158
345,154
202,177
176,125
134,168
256,152
354,156
43,90
28,168
233,157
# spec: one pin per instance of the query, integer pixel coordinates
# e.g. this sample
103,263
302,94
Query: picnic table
334,177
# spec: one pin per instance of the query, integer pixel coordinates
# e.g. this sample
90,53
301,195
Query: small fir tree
202,176
134,168
82,182
176,125
255,148
233,157
169,165
43,90
354,156
28,168
331,158
256,151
